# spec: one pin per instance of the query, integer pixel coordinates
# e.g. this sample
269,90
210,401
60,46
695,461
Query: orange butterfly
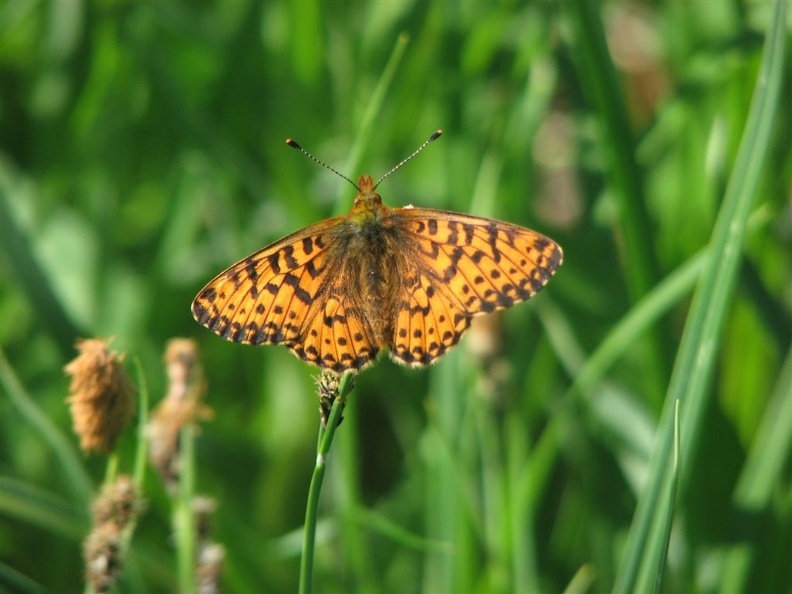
409,279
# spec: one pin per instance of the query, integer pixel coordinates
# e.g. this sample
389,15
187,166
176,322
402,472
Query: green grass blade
374,108
32,505
647,312
718,284
447,510
65,453
760,477
17,247
376,522
141,451
664,516
693,368
12,580
600,79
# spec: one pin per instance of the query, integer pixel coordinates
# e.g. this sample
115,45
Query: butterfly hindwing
336,336
428,322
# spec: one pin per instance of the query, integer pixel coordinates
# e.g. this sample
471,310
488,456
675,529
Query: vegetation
628,429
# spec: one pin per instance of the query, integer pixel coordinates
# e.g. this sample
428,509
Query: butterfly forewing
484,264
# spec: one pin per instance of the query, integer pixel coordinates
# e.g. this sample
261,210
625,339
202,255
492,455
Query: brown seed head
183,404
102,551
118,503
486,347
210,555
327,384
113,510
102,397
210,564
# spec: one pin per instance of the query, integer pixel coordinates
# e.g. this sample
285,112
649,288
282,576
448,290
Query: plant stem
184,520
326,433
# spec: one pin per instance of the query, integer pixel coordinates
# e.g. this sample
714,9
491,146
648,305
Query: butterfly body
405,279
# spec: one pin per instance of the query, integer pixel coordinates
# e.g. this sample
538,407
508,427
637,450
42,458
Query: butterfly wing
464,266
429,321
337,336
289,293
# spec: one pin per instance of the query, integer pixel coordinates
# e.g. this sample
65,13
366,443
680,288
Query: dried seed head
327,384
210,555
210,564
485,344
118,503
485,338
102,550
204,508
183,404
114,510
102,396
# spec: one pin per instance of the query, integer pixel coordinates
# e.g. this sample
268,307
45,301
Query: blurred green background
142,152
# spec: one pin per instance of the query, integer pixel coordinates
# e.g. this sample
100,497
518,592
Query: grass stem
325,441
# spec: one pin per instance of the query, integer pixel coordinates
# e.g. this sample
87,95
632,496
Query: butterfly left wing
463,266
287,294
335,335
264,298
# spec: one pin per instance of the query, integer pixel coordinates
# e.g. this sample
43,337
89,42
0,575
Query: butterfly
408,279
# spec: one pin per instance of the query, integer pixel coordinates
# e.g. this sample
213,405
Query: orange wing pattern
337,337
290,293
428,323
465,266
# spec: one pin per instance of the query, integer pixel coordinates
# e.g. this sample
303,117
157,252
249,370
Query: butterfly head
366,194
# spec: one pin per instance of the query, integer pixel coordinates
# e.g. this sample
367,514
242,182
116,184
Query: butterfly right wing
463,266
289,293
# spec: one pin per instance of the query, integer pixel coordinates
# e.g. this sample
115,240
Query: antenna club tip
293,143
436,135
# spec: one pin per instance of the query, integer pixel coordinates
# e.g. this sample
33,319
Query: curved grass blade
695,361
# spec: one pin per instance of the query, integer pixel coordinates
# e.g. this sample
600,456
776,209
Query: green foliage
142,152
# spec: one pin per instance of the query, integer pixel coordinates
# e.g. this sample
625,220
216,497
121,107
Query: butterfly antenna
294,144
432,138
